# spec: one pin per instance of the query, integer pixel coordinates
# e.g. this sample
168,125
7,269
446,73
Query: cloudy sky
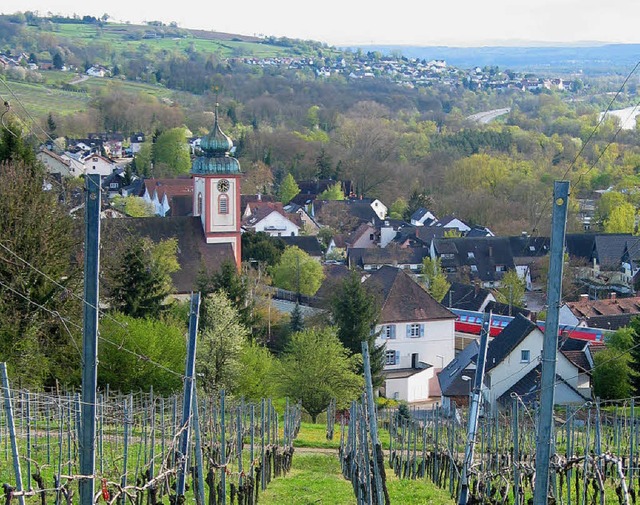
415,22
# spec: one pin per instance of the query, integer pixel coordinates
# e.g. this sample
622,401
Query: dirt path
79,79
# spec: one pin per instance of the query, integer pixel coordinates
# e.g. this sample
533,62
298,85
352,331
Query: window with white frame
414,330
525,356
390,357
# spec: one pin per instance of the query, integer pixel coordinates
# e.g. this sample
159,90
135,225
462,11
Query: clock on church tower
216,190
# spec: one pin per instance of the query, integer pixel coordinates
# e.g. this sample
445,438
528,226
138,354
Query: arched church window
223,204
199,204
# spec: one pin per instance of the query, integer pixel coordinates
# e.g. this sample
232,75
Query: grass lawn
316,478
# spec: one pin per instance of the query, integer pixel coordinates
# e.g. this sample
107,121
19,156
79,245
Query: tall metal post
550,345
189,383
373,428
474,411
12,429
90,338
198,450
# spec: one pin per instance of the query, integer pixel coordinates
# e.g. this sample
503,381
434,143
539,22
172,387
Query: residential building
418,333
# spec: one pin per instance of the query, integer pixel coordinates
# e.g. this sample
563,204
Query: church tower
216,190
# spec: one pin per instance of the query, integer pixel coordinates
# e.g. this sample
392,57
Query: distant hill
593,59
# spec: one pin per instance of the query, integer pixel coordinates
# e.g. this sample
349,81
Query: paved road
488,116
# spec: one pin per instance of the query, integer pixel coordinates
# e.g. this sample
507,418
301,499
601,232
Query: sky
402,22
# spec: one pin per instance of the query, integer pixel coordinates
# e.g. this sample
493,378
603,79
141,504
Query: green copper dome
216,159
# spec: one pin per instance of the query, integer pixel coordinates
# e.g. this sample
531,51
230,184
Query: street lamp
467,379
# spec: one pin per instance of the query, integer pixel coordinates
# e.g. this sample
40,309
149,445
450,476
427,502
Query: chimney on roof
584,297
612,295
259,197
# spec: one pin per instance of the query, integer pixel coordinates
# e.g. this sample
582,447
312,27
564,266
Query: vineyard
594,452
235,450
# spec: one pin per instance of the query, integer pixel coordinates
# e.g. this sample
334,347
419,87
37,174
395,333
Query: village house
418,333
513,367
169,197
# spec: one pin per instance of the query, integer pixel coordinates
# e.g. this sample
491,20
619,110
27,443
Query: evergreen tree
51,124
355,311
142,282
297,319
58,62
232,284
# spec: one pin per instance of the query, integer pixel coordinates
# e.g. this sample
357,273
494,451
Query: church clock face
223,186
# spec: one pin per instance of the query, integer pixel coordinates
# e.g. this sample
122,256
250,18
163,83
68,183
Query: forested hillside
288,111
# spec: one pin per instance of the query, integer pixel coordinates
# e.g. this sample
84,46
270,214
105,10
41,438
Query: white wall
410,389
438,340
276,225
511,369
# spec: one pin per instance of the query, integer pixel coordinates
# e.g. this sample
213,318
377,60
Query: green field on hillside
121,38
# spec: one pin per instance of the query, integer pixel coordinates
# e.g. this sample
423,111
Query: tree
134,206
144,159
613,375
288,189
258,378
297,319
332,193
418,200
152,342
622,219
141,281
222,340
435,278
355,312
171,152
233,284
398,208
297,271
58,62
262,247
38,239
51,124
511,290
316,368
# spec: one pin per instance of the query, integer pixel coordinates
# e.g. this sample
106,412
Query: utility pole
550,345
189,385
474,410
90,338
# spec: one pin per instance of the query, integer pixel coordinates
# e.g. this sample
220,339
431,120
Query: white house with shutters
418,334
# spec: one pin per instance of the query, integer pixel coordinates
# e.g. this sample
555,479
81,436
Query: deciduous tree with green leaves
511,290
134,206
297,271
315,368
435,279
622,219
288,189
171,153
153,342
332,193
616,369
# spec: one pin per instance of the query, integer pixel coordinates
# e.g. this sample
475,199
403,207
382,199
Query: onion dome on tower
215,158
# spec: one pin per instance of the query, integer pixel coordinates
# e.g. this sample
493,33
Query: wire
141,357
